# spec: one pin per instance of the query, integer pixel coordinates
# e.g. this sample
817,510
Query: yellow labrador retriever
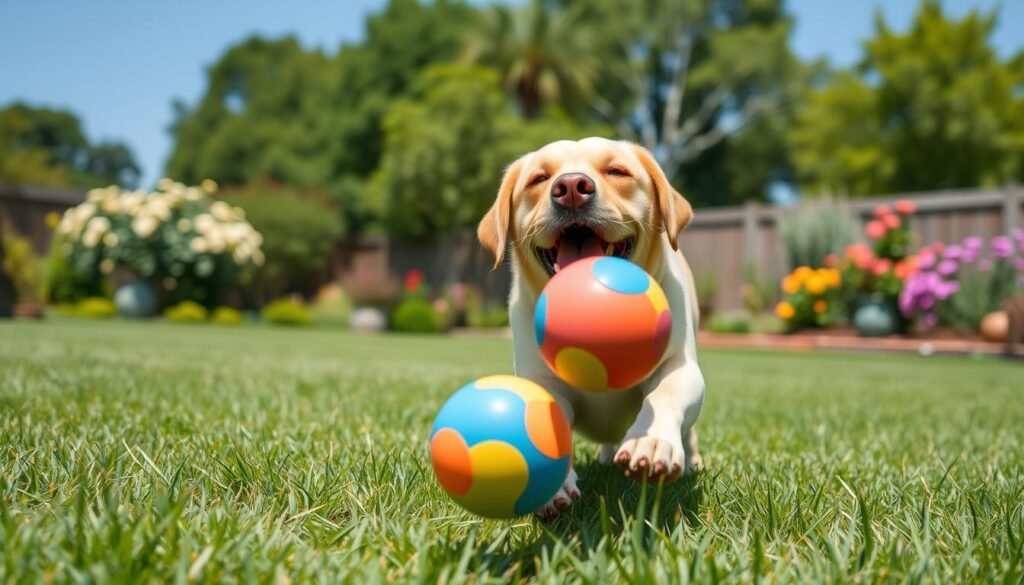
570,200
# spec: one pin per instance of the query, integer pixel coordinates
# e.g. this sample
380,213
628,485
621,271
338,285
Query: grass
146,452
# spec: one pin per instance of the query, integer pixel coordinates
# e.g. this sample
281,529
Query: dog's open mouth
580,241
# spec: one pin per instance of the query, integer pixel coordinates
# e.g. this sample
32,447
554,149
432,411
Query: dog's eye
537,180
618,172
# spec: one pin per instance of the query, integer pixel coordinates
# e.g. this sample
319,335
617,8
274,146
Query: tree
47,147
543,55
933,108
444,150
692,79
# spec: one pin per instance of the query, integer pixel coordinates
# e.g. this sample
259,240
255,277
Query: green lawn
151,452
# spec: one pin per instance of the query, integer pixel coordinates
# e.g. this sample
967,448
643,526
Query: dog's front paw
563,498
651,458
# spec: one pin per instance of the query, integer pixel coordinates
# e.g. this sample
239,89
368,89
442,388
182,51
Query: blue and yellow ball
603,324
501,446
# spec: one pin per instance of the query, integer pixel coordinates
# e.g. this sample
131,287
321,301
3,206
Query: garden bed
848,340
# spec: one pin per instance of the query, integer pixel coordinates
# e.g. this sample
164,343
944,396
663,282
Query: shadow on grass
612,507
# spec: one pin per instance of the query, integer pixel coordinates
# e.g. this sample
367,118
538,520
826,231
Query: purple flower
946,290
974,243
931,320
952,252
985,265
1002,247
1018,234
927,302
925,259
947,267
1018,263
970,255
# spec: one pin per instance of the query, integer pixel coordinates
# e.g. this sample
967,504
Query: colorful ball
602,324
501,446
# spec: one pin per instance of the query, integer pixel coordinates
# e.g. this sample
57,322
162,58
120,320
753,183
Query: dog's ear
674,209
496,226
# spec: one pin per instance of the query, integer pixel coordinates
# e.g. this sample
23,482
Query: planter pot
367,319
876,316
135,300
995,327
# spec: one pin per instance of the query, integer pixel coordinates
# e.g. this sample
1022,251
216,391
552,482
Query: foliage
47,147
92,308
706,284
759,292
176,238
299,233
64,284
934,108
23,267
815,230
332,307
186,312
287,311
812,298
226,316
959,284
724,323
267,421
415,315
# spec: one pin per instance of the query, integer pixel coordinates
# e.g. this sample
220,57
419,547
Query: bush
812,298
95,308
488,316
816,230
226,316
720,323
186,312
332,307
415,315
299,233
175,237
64,284
286,312
24,268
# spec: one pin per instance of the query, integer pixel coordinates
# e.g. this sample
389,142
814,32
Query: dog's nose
573,190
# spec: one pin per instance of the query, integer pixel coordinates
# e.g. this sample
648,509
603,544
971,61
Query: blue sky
119,64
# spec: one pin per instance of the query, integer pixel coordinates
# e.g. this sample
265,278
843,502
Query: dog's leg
563,498
693,461
653,445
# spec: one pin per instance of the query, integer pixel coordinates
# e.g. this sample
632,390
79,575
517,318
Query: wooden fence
722,244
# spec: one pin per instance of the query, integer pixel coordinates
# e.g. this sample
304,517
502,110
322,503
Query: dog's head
593,197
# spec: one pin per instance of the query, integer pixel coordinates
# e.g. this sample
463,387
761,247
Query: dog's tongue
570,250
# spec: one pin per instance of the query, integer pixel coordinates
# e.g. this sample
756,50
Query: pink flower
953,252
891,221
881,266
905,207
930,320
946,267
1002,247
830,260
882,210
926,258
875,229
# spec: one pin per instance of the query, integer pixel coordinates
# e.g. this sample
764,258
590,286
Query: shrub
488,316
186,312
226,316
815,230
176,238
331,307
95,308
286,312
64,284
299,233
415,315
24,267
720,323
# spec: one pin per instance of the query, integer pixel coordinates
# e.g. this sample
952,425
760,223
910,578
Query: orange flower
820,306
784,311
802,272
891,221
861,255
881,266
882,210
790,285
905,207
875,229
832,278
905,268
815,284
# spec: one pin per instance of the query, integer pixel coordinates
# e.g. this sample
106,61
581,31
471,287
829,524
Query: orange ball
603,324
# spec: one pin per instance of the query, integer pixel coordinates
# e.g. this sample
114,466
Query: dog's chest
604,417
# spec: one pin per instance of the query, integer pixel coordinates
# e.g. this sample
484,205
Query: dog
572,199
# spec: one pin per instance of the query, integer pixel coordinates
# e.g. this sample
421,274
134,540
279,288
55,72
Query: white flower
107,266
98,224
192,194
198,245
90,239
205,223
257,258
130,202
165,184
184,224
110,239
144,226
209,185
240,255
239,213
221,211
111,205
96,194
216,241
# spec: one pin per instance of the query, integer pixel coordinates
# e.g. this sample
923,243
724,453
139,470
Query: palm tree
543,55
